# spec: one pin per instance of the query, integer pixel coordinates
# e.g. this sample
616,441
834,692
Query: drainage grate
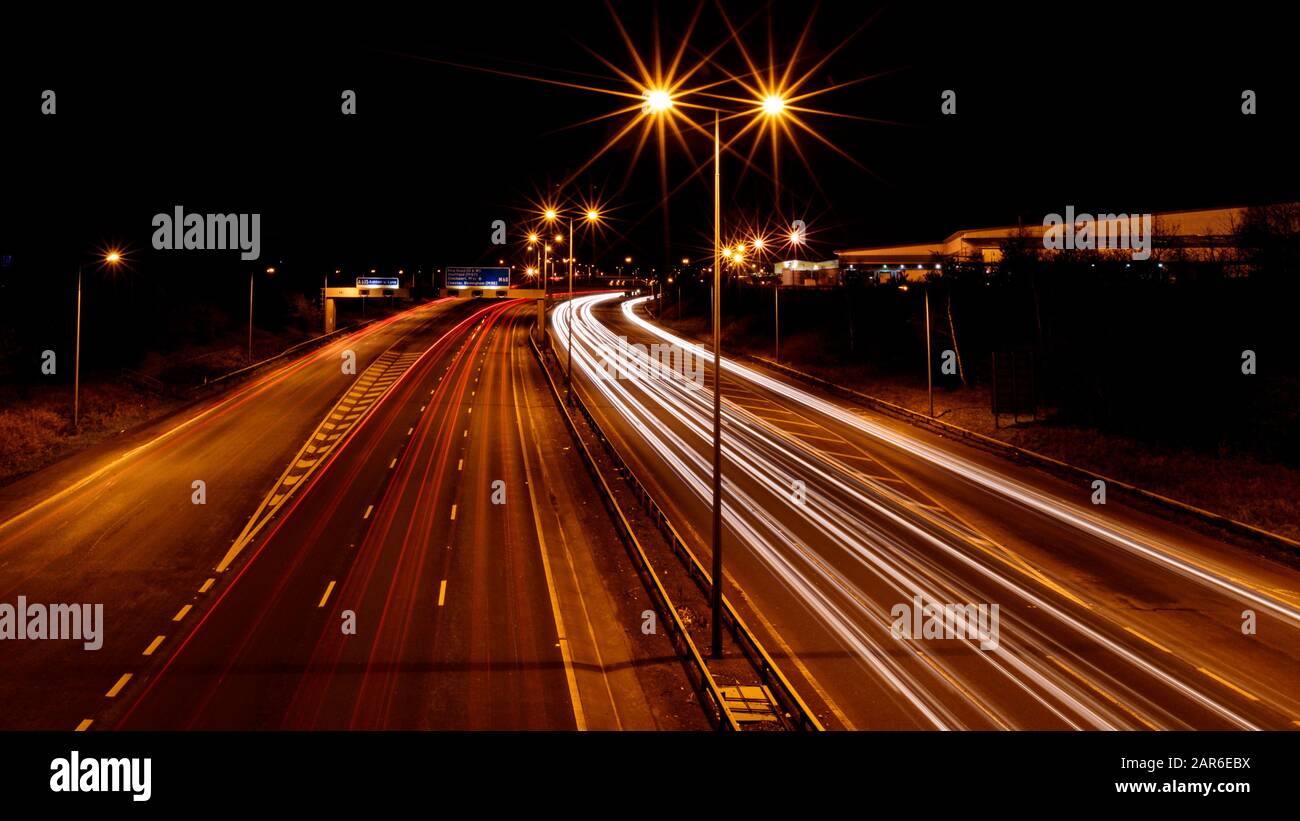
750,703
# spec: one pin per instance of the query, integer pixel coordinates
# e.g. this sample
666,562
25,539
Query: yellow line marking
422,408
1097,689
153,645
207,585
575,697
125,457
84,725
964,691
117,688
1151,642
180,614
460,463
329,589
780,422
409,431
466,433
849,456
453,513
394,462
369,509
261,516
815,436
1229,684
442,592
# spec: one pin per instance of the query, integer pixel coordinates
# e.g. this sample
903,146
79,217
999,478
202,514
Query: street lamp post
716,593
533,239
250,316
568,374
592,216
76,367
659,102
929,363
112,258
550,215
796,239
252,274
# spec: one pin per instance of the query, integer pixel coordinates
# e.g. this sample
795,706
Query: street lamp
269,271
771,102
771,110
592,217
657,101
550,215
532,240
795,239
112,258
716,592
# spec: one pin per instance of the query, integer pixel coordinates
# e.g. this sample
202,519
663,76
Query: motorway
396,547
836,516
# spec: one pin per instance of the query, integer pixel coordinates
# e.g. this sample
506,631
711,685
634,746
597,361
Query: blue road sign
478,277
378,282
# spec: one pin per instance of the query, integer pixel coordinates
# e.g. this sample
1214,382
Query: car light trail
904,549
1061,510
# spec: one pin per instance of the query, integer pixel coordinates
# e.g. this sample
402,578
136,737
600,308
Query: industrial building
1196,233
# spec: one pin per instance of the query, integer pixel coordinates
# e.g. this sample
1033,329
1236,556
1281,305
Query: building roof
1190,223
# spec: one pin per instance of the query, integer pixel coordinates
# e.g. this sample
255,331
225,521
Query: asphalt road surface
841,524
374,552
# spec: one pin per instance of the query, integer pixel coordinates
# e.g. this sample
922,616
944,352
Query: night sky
228,111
